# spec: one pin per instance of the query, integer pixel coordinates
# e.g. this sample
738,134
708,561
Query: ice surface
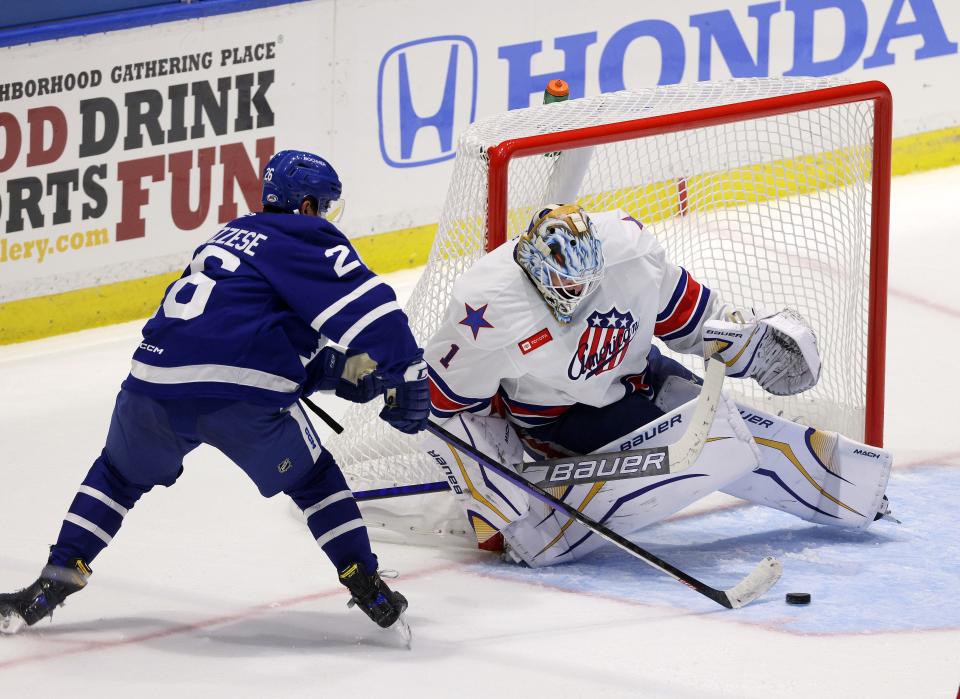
211,591
910,573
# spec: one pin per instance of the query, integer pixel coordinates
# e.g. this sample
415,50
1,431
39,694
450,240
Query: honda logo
426,92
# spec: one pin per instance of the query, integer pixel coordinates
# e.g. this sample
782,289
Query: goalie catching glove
779,350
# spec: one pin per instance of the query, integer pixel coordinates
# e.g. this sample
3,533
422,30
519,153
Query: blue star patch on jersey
475,319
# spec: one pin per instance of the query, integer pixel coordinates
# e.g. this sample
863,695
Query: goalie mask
562,255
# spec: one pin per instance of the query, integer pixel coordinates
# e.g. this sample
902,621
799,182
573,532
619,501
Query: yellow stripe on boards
34,318
926,151
43,316
403,249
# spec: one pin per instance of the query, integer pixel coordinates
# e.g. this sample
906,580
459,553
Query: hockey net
773,192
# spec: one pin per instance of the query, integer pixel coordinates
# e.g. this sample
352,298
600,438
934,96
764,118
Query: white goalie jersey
501,350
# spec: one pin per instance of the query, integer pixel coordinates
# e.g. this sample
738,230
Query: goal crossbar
501,154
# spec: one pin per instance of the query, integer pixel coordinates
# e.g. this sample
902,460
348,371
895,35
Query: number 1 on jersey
445,361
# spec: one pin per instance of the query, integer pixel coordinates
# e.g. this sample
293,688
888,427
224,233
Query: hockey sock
95,515
333,516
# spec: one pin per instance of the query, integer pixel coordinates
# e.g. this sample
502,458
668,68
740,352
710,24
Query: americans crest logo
604,343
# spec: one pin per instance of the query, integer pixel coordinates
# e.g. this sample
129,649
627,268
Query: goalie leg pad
490,501
545,537
819,476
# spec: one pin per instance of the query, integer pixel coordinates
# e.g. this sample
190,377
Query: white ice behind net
777,214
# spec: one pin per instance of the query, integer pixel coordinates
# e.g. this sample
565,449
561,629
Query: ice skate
31,604
884,512
371,594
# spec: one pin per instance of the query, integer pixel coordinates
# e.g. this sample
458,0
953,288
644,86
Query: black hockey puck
798,598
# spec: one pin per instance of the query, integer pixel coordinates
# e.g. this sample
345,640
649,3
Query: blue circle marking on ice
888,578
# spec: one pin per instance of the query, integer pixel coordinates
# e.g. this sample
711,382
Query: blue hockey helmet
293,175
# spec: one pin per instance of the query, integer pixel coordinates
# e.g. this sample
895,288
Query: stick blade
403,629
761,579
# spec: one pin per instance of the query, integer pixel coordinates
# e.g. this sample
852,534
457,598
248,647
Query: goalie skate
884,512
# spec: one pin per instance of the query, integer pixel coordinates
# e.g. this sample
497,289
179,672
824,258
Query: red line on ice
266,607
922,301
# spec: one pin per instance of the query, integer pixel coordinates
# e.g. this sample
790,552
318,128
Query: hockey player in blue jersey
238,338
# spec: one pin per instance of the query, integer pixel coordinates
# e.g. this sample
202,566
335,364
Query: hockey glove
779,351
351,376
408,398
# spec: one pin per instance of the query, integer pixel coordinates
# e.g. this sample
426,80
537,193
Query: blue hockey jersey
256,305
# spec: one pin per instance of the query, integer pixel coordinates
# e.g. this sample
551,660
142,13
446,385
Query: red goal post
772,191
501,154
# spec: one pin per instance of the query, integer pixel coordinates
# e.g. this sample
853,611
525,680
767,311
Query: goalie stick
640,463
688,447
605,466
760,579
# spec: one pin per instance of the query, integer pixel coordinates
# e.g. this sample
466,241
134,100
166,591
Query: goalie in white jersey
552,334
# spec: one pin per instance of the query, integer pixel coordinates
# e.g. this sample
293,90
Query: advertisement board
121,151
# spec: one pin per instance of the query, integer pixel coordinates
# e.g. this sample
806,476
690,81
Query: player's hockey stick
761,579
605,466
323,415
400,491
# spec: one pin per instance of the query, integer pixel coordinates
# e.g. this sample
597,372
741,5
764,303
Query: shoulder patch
538,339
475,320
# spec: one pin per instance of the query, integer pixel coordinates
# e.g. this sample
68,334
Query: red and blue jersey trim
444,402
530,414
540,447
637,383
684,310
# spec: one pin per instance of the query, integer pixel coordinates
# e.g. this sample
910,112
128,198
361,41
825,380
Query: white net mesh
771,212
